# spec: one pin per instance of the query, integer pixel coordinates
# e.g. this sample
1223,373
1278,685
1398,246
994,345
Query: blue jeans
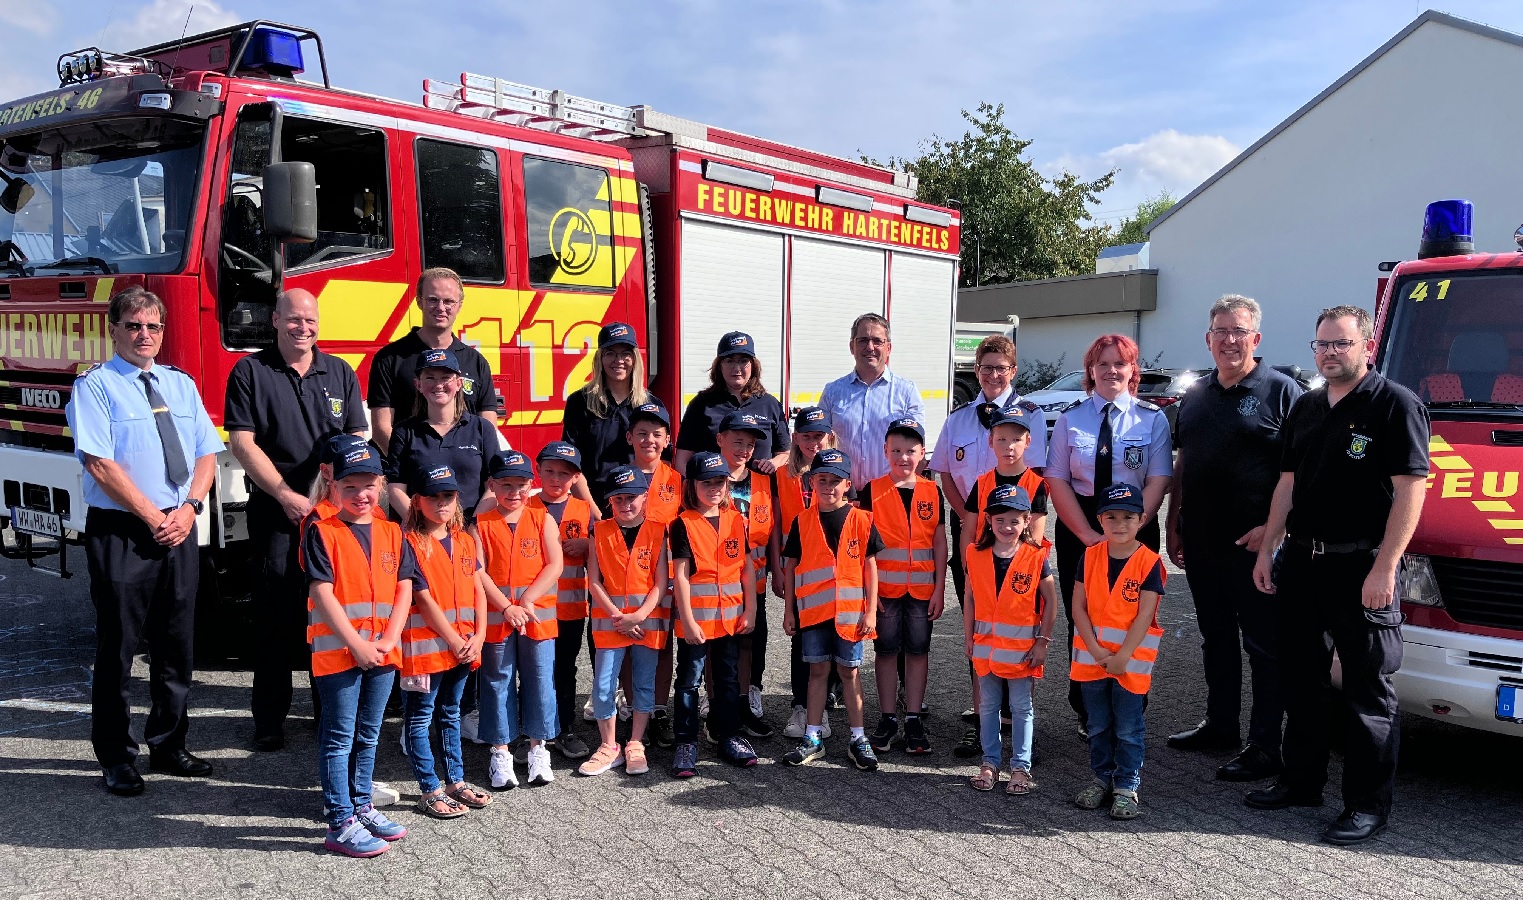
418,707
822,643
991,694
1116,732
642,679
348,726
532,663
724,706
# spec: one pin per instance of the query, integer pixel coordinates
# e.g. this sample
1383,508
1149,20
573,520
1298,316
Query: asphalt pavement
912,829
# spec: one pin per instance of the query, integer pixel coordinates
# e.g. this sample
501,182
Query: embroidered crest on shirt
468,385
335,407
925,509
1133,457
1248,406
1358,446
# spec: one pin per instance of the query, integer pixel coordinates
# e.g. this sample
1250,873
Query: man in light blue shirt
149,455
863,403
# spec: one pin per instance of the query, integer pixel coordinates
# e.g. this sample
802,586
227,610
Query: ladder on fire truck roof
520,104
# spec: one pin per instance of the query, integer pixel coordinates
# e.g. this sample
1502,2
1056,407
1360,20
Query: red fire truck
1450,327
208,171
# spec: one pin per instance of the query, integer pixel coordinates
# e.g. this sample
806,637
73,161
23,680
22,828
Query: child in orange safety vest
442,643
361,575
649,434
831,600
912,577
521,548
560,465
715,605
1008,630
1115,608
627,574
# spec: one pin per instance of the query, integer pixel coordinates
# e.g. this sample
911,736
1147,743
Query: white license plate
1508,700
31,521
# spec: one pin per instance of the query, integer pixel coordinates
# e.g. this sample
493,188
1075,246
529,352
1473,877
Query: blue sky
1166,90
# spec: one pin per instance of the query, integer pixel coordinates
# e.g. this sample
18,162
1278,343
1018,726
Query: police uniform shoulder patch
1028,406
1143,404
1075,405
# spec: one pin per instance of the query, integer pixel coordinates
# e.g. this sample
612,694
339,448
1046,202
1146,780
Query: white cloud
37,18
164,20
1163,161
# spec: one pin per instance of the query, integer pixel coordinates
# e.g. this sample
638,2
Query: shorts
820,643
904,626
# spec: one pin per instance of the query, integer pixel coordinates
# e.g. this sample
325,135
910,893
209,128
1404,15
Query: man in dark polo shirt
1350,492
1228,435
282,404
392,396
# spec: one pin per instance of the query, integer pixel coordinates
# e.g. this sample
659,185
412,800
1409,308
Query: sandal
986,778
1020,782
440,805
469,795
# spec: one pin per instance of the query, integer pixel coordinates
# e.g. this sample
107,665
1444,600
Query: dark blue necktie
1103,451
174,451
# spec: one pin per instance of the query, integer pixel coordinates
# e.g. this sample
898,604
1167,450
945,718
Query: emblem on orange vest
389,562
1131,590
852,549
527,547
762,512
925,509
467,564
667,493
573,530
642,559
731,548
1020,582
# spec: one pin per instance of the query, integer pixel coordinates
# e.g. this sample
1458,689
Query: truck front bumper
1451,676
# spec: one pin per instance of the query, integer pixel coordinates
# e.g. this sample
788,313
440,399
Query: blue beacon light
1447,229
276,52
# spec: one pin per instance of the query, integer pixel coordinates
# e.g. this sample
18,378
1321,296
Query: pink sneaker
634,759
606,757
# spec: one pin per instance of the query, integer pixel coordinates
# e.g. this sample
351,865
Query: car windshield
113,196
1456,338
1073,381
1154,384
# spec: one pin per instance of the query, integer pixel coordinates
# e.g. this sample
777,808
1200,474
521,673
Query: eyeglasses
995,370
135,327
1335,346
445,302
871,342
1230,334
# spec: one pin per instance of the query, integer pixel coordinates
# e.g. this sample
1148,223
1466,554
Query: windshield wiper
1471,404
76,261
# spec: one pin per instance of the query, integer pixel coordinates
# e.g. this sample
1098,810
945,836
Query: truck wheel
964,389
224,624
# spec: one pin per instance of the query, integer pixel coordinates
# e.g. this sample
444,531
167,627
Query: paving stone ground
913,829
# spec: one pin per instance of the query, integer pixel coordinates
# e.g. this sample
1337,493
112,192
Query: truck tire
224,620
964,389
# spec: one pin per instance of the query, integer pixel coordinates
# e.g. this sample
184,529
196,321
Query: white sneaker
798,723
825,726
587,714
755,697
703,704
501,769
625,713
539,765
470,726
383,794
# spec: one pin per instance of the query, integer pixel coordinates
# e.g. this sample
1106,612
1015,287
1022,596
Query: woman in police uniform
1107,437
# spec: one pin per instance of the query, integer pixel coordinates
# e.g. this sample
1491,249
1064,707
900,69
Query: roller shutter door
921,313
831,285
732,280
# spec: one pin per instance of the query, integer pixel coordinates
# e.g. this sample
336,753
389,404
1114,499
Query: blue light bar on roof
1447,229
276,52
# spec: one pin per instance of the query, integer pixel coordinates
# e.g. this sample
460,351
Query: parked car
1309,379
1056,397
1165,387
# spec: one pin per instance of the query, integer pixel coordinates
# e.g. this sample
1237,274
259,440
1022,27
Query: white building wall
1302,223
1048,339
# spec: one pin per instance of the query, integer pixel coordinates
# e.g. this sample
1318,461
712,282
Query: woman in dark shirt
597,416
443,432
734,386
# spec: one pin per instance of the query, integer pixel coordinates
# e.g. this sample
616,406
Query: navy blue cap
626,480
1120,496
736,343
705,465
1008,498
1010,415
650,410
615,334
906,426
438,359
833,461
362,460
338,445
812,420
744,421
434,480
560,450
509,464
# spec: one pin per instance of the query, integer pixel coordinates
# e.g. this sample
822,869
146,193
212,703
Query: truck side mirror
290,202
17,194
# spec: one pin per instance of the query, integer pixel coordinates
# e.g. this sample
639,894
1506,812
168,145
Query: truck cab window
460,202
569,227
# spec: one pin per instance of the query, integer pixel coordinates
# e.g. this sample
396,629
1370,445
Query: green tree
1134,230
1016,223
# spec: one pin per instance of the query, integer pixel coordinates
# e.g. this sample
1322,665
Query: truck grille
1480,592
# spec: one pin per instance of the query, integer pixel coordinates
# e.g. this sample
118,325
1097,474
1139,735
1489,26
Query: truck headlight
1415,582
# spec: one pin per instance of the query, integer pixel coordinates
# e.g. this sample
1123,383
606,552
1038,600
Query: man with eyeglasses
863,402
391,395
1347,502
149,455
1228,435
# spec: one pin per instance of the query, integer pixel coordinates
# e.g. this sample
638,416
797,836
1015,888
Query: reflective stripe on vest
571,590
1007,616
907,564
365,588
1112,611
451,578
831,586
628,574
716,592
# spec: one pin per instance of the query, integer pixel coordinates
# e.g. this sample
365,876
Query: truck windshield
1456,338
112,196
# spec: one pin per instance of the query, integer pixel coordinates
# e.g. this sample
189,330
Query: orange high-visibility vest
1007,616
985,486
833,586
663,503
322,509
571,590
452,585
759,521
514,558
365,588
907,564
628,574
1112,610
716,591
790,498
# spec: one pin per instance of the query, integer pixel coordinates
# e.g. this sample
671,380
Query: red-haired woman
1108,437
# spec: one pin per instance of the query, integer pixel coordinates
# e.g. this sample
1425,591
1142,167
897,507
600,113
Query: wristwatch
196,505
